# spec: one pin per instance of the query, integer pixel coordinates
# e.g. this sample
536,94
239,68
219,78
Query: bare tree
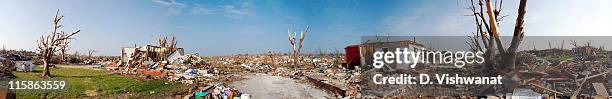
48,45
63,47
163,41
3,49
573,43
271,56
562,44
474,43
297,45
487,31
338,56
90,53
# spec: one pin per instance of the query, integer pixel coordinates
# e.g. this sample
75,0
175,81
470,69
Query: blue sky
225,27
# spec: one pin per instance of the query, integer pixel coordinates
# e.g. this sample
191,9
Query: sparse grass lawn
83,81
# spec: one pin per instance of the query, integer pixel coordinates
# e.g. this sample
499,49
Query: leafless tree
549,45
63,47
47,45
488,32
297,45
573,43
90,53
163,41
562,44
338,56
473,42
3,49
271,56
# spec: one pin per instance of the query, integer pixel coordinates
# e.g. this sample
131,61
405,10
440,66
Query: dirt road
276,87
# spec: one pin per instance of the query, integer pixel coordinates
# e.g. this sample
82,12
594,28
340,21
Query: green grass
557,58
82,80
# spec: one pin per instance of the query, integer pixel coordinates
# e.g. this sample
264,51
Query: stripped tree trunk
46,72
506,65
297,45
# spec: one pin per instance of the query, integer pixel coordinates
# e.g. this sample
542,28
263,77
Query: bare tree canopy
163,41
297,45
47,45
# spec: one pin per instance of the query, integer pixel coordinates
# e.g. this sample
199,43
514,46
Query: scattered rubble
11,60
156,62
6,68
571,73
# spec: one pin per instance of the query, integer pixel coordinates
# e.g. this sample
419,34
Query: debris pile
163,63
216,91
167,63
11,60
6,68
580,71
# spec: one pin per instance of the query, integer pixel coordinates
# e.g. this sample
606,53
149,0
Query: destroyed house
140,56
367,49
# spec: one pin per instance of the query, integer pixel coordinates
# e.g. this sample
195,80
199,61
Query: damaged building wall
136,56
367,50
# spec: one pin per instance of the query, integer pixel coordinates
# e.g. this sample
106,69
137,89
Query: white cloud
202,11
233,12
237,12
174,8
230,10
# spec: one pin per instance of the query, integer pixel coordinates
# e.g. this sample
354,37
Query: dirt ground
276,87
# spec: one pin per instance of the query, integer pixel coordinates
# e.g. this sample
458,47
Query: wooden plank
600,89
